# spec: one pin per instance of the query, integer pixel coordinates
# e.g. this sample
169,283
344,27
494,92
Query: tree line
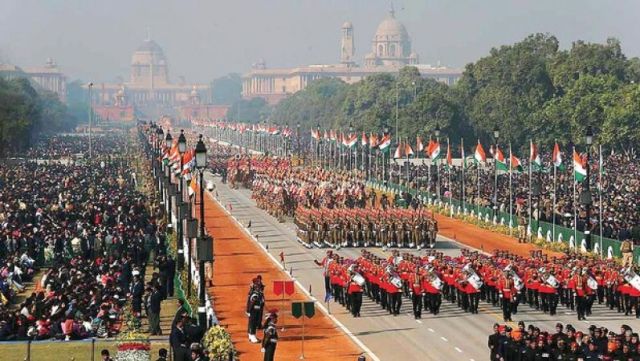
528,90
26,113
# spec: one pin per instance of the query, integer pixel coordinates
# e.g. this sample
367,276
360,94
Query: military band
502,280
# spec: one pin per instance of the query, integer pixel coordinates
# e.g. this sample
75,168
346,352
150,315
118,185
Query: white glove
262,350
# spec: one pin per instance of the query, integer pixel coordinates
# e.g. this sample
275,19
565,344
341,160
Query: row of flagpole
336,149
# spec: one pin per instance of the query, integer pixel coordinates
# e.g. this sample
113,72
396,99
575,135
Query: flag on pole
350,141
419,145
464,159
408,152
515,163
373,140
385,143
315,134
557,157
579,168
433,149
449,157
365,140
399,153
480,156
193,187
534,157
188,161
501,163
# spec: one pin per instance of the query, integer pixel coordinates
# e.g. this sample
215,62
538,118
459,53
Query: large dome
150,46
391,28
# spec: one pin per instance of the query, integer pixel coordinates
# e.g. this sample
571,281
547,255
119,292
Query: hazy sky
94,39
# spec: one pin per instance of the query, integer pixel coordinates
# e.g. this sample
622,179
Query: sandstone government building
390,51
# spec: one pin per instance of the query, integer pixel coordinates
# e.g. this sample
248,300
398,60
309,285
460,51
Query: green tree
226,90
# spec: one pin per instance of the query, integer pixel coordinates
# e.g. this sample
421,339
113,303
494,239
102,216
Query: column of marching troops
503,280
366,227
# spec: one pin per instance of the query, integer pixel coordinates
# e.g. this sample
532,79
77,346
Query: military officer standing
270,340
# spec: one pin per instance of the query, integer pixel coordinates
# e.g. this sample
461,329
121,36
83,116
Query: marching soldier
270,340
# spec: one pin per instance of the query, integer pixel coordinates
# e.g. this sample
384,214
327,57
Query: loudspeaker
191,229
205,249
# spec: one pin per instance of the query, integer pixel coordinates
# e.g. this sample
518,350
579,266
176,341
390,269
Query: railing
608,248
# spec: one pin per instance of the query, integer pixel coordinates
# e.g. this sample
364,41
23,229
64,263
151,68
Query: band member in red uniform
416,293
506,291
581,290
395,293
354,290
432,296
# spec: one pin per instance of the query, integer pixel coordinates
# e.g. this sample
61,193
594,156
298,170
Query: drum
592,283
396,281
437,283
517,283
475,281
552,281
635,282
357,278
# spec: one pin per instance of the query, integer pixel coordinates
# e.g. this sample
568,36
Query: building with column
149,89
390,52
48,77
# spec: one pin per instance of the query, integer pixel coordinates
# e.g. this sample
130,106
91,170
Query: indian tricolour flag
557,157
534,157
501,163
419,145
399,153
365,139
514,162
351,140
449,156
385,143
480,156
433,150
579,168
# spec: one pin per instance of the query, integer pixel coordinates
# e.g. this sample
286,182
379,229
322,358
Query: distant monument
390,52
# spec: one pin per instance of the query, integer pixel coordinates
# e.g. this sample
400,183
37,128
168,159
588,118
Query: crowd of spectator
530,343
88,223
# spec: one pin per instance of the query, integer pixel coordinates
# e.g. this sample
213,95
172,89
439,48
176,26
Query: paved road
452,335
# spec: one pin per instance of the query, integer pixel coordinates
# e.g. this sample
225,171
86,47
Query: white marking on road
471,359
568,313
457,349
300,286
431,329
418,321
443,338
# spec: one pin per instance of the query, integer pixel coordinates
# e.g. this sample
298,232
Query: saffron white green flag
579,168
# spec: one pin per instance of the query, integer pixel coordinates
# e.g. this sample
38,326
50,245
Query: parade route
451,335
238,261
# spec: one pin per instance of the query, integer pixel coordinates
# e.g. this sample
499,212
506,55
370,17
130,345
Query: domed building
391,45
390,52
149,93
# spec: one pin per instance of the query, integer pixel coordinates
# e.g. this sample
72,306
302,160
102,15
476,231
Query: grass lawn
66,351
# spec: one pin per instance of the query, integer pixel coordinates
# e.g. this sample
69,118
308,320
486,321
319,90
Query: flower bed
218,342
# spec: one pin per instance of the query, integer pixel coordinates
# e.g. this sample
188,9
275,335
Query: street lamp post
201,163
90,122
182,148
586,193
168,141
298,141
349,149
159,137
437,133
496,136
